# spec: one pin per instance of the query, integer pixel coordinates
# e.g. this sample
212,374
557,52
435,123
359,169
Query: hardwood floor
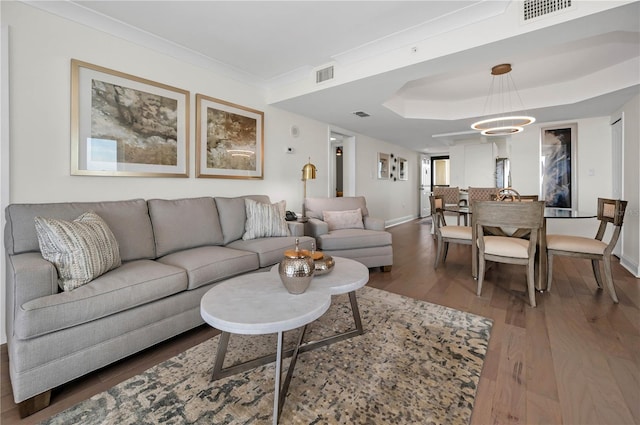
572,360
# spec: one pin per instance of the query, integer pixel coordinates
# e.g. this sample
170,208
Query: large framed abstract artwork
122,125
229,140
558,167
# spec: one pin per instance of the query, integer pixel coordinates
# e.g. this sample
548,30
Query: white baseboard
632,266
399,220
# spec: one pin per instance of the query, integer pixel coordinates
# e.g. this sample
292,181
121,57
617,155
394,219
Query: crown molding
97,21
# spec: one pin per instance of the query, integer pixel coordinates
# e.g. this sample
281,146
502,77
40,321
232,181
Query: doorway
440,171
341,164
425,186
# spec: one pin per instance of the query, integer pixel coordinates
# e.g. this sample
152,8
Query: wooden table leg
541,281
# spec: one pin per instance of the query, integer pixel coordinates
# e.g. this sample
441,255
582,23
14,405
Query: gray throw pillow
81,249
264,220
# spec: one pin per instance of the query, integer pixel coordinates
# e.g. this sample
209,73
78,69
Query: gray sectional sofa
172,252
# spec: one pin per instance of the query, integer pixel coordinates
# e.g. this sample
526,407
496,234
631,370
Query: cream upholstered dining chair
508,194
450,196
446,234
508,249
480,194
609,211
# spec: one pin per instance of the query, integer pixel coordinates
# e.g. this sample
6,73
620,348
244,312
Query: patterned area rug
416,363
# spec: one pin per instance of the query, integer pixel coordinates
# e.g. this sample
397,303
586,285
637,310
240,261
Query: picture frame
123,125
558,166
229,140
403,169
383,166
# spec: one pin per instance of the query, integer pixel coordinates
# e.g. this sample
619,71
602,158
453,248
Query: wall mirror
503,172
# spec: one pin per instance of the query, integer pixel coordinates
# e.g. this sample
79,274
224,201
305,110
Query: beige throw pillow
264,220
348,219
81,249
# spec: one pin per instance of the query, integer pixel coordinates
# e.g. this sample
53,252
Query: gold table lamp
308,173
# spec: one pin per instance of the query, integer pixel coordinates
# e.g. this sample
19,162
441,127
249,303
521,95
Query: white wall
593,153
473,163
4,161
396,201
41,47
631,186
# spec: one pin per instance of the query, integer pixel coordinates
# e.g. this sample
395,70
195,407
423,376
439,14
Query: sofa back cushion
180,224
128,220
233,215
315,206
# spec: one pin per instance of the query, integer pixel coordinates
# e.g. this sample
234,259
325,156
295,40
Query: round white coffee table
258,303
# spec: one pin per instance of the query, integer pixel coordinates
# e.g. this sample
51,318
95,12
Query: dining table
541,260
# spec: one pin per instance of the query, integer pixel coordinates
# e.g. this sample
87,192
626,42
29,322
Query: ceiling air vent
536,8
361,114
324,74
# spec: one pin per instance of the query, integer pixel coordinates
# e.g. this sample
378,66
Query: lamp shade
309,171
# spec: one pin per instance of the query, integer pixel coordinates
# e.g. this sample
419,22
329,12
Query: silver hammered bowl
324,265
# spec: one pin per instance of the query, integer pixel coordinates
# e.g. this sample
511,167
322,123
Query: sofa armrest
29,276
315,227
373,223
296,228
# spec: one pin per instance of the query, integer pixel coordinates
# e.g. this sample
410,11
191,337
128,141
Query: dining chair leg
595,265
609,278
481,268
445,252
438,253
531,279
549,271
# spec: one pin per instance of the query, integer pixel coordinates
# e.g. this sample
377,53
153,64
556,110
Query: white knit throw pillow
264,220
81,249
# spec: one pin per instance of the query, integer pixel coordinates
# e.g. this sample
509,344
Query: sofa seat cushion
132,284
352,239
208,264
271,250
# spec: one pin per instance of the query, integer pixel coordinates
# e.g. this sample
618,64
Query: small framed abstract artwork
403,168
229,140
122,125
383,165
558,167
